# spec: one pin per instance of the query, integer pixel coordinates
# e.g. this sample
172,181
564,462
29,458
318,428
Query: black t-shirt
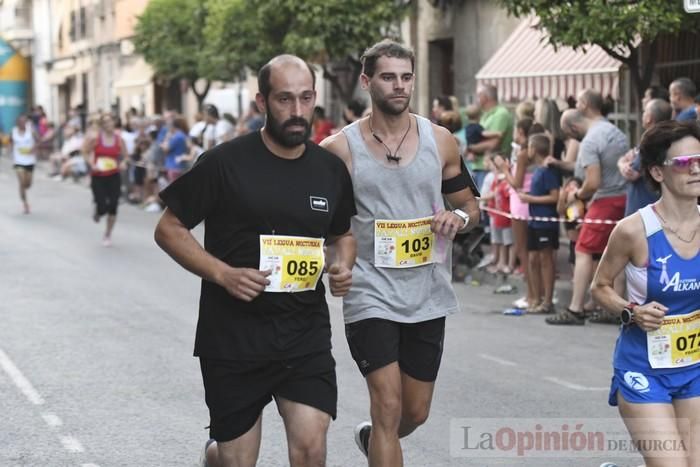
241,191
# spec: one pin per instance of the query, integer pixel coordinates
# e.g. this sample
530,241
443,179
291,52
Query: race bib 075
676,343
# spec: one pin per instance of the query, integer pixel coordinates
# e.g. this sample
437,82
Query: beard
282,135
389,106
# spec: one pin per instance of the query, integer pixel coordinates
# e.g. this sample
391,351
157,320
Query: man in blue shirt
682,93
639,194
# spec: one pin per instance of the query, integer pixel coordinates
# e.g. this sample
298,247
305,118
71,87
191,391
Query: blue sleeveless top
667,279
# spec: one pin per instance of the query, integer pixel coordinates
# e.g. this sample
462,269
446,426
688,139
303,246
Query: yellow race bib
105,164
403,243
676,343
296,262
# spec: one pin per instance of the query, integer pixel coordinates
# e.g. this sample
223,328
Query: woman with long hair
105,153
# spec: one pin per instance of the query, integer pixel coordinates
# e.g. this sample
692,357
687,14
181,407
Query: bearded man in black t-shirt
270,201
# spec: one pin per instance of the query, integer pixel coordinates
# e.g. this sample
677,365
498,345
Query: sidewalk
562,288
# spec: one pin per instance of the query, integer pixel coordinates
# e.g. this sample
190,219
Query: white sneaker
362,432
485,261
520,303
153,207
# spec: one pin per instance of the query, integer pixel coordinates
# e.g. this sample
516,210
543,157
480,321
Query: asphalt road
96,365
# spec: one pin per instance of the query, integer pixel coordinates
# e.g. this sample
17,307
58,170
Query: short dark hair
451,120
541,144
536,129
264,85
444,102
657,92
524,125
685,86
357,107
657,139
385,48
211,110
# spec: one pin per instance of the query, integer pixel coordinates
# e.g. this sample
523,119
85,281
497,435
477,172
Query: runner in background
105,153
23,145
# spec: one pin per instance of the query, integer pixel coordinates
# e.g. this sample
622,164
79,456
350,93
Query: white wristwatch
462,215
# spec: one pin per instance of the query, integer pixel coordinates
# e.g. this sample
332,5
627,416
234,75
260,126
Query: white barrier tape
549,219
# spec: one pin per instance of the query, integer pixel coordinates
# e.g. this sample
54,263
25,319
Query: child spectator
543,236
488,200
473,132
572,212
501,232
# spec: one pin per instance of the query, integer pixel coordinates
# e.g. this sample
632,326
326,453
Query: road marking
497,359
20,381
51,419
574,386
71,444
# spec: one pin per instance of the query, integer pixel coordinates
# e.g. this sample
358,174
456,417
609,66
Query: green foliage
612,24
219,39
253,31
168,35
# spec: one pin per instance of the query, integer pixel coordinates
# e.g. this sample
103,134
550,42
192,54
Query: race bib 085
296,262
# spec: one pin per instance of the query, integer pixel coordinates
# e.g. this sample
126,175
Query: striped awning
527,66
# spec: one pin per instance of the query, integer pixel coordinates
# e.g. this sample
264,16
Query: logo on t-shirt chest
318,203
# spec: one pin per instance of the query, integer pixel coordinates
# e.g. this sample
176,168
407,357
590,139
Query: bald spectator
495,119
602,145
639,194
682,93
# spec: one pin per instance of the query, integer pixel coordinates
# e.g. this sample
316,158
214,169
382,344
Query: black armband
460,182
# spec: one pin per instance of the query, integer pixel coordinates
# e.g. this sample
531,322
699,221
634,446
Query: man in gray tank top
401,165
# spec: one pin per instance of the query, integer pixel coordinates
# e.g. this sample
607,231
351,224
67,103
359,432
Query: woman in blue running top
657,355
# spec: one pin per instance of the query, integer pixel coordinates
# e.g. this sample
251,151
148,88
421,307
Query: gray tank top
413,191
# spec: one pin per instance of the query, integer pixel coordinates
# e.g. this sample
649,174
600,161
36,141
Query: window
71,34
83,23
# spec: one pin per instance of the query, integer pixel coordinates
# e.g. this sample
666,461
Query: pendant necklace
389,156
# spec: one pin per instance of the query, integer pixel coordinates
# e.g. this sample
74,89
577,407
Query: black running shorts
539,239
236,391
106,192
417,347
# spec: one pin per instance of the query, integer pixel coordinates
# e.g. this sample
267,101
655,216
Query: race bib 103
403,243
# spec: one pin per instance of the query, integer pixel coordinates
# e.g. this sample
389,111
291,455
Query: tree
627,30
169,36
331,33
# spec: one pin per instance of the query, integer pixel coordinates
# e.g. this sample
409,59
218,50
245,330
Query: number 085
302,268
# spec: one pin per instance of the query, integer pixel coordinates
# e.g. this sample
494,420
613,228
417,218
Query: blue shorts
638,388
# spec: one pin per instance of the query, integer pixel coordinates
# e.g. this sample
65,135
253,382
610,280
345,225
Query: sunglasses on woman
683,163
